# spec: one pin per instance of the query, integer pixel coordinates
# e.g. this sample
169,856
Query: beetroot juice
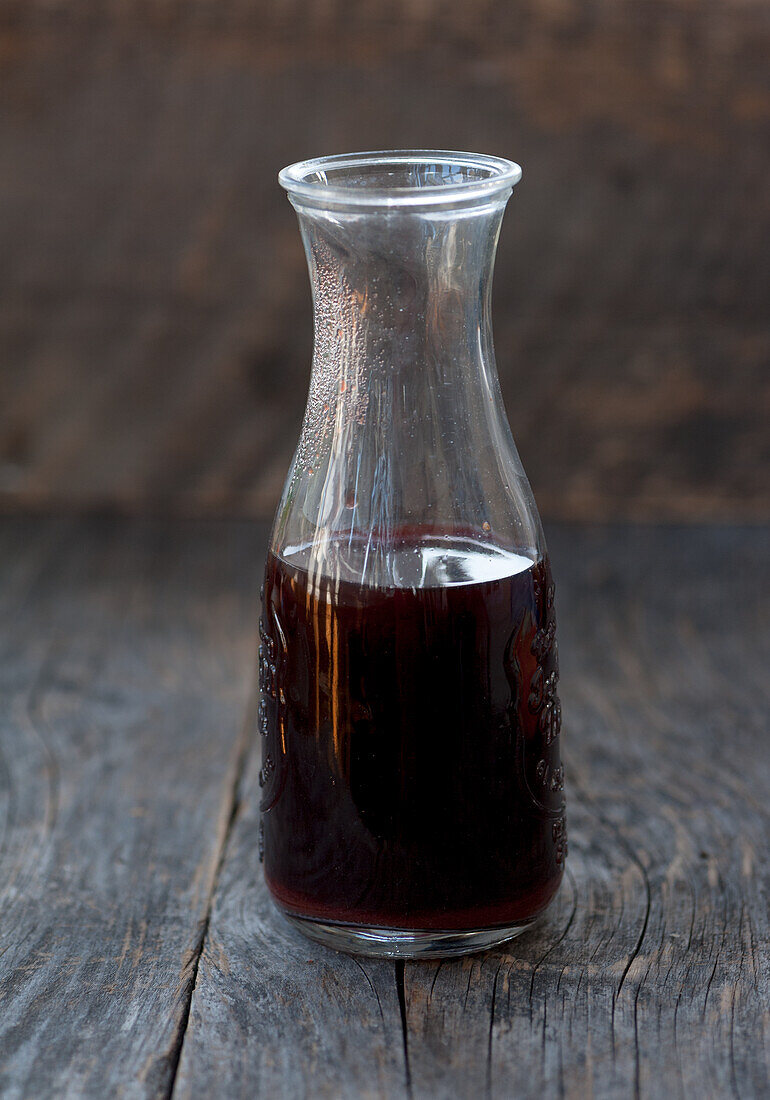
411,775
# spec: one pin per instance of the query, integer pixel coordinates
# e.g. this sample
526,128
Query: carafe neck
401,300
405,428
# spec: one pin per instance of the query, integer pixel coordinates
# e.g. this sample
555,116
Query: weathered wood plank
649,976
275,1015
658,983
126,655
154,309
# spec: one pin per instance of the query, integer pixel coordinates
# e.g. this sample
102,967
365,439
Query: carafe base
403,943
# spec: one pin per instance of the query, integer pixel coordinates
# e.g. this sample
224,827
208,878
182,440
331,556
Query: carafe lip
433,178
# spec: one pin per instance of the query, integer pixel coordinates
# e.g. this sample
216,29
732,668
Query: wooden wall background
154,310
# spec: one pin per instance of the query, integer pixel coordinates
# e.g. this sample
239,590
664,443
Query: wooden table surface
140,956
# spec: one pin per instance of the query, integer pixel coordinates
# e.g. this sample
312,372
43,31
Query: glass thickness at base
398,943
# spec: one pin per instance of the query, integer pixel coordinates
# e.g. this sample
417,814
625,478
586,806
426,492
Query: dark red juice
411,775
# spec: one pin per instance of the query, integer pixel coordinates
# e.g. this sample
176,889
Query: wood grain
155,322
126,657
649,975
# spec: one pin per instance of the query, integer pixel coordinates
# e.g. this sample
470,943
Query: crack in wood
491,1029
234,799
399,968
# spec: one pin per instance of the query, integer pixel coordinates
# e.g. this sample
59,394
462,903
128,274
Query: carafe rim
433,178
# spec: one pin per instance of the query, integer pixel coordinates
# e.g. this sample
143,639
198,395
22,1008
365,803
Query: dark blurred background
155,325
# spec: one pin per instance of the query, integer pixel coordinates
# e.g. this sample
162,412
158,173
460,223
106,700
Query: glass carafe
412,791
